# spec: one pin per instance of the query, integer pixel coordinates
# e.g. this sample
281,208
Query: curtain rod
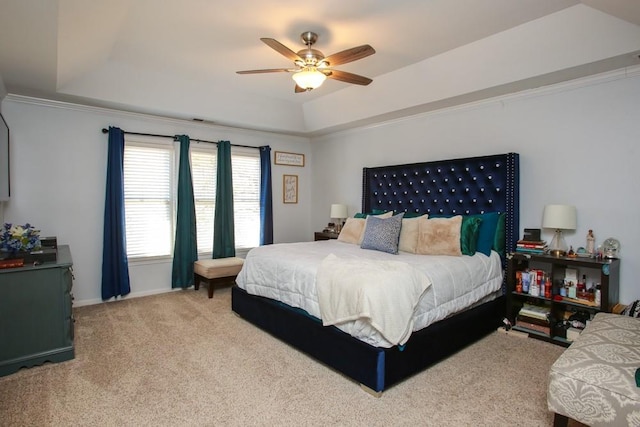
104,130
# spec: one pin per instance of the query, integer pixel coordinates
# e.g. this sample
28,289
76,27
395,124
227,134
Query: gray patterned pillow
382,234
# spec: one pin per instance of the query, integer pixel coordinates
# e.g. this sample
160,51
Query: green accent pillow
469,231
360,215
412,215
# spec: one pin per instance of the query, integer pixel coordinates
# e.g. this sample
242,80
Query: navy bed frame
461,186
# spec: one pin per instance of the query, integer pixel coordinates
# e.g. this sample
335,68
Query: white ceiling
178,58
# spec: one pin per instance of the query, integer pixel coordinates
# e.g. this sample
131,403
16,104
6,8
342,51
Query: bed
466,186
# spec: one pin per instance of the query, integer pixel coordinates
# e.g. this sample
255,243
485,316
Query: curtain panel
185,249
115,266
223,228
266,197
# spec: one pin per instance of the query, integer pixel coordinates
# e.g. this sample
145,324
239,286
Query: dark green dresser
36,323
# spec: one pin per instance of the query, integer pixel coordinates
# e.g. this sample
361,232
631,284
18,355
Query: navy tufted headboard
465,186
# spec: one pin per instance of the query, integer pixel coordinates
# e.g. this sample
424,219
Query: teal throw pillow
487,232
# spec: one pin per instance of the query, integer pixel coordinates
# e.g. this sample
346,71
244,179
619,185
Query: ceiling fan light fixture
309,78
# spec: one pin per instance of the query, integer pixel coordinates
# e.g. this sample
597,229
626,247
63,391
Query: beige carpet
181,359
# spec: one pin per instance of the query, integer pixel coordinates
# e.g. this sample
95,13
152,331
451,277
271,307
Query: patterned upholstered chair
594,380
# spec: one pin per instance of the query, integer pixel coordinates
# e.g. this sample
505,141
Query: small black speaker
531,234
49,242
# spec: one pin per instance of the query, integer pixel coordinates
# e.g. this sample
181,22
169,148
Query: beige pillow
352,231
439,236
409,234
355,228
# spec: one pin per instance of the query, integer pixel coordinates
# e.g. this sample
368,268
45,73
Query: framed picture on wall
289,159
290,188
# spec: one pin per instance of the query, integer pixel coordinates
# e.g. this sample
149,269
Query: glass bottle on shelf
591,243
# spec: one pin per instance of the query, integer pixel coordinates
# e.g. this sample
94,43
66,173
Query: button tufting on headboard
469,185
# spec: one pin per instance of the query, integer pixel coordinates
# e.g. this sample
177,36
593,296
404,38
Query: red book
531,244
11,263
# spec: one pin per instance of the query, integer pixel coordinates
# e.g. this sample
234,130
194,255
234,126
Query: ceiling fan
312,67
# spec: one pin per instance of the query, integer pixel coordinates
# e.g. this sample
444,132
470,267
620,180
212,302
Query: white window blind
246,197
150,179
148,199
203,175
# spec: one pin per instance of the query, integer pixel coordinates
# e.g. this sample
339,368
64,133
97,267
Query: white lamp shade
309,78
339,211
559,217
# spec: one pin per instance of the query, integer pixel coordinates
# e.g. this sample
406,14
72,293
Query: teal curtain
185,250
223,231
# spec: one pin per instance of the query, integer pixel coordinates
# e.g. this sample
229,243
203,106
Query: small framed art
290,188
289,159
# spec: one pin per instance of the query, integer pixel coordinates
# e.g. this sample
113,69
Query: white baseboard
80,303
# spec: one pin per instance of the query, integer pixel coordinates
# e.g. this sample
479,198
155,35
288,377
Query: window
150,180
149,199
245,164
246,197
203,175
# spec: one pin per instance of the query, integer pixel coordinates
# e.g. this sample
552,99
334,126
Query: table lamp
339,212
559,217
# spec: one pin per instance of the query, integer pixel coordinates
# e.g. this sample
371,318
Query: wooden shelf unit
606,272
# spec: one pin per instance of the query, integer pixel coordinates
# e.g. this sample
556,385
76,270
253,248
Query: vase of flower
17,241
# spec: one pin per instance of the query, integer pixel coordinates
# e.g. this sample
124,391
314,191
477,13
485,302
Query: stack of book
534,317
531,246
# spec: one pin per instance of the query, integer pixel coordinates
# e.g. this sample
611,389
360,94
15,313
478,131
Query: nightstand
322,235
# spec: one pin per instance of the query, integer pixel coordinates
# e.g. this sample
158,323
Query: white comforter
287,272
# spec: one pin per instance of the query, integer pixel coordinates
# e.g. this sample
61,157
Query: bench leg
210,284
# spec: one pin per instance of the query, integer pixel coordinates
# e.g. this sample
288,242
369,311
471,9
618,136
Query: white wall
58,173
578,143
3,92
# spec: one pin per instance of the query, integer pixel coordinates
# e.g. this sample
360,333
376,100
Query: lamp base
557,252
558,246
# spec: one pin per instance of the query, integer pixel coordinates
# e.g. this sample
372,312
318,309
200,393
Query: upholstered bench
594,380
216,271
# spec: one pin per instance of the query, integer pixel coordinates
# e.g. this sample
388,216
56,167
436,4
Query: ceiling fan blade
343,76
298,89
349,55
282,49
268,70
